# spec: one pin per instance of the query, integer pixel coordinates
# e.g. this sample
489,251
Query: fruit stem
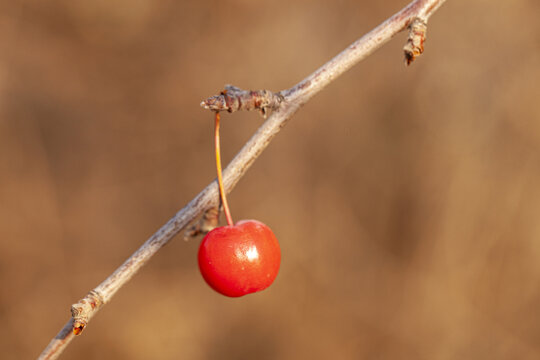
219,175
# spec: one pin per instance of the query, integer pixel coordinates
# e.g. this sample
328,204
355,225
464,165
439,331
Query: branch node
208,222
83,310
234,99
415,41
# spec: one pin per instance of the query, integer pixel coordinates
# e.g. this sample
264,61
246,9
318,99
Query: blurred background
406,200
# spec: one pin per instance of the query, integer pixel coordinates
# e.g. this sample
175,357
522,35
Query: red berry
241,259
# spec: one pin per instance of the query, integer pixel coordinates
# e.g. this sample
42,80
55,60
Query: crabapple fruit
240,259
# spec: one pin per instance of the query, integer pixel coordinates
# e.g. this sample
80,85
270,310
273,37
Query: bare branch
284,105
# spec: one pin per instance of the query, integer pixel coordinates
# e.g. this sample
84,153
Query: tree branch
283,104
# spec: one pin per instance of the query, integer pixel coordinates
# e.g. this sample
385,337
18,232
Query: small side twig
284,104
234,99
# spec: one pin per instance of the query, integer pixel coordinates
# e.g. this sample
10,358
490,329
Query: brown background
406,200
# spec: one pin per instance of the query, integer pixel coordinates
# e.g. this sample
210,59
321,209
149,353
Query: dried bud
415,41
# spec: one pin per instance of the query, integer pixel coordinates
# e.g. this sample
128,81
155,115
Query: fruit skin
241,259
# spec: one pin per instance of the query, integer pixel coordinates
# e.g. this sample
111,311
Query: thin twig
290,101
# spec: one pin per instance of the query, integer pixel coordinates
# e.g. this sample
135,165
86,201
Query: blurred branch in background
290,100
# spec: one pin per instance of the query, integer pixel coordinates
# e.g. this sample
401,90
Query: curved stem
219,175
